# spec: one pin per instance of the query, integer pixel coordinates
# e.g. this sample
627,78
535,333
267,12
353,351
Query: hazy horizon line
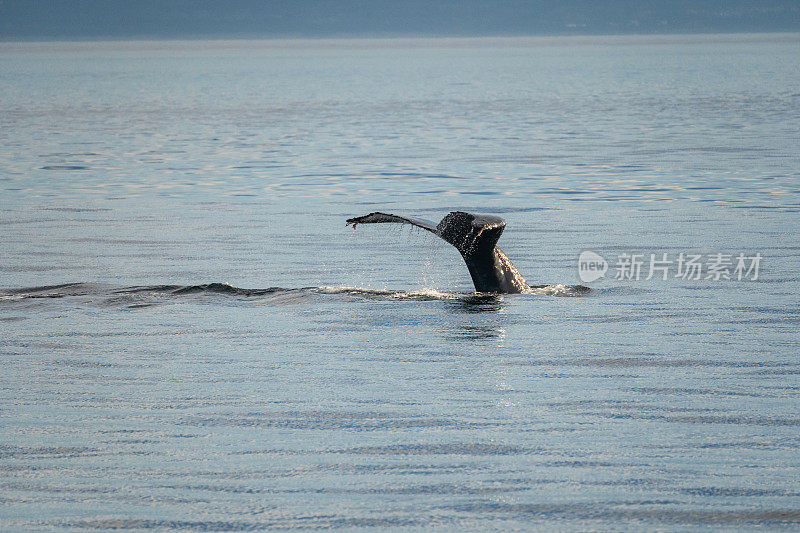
384,37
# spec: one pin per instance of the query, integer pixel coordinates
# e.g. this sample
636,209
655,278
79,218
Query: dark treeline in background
176,19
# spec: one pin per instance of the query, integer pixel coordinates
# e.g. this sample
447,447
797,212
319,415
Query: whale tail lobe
475,237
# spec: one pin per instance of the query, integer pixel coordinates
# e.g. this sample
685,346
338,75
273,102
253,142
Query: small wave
419,294
206,288
436,294
48,291
143,296
560,290
64,167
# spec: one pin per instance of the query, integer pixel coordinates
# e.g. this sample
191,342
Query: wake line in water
143,295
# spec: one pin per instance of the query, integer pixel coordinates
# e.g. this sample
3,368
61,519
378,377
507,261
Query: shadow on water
478,303
477,317
476,332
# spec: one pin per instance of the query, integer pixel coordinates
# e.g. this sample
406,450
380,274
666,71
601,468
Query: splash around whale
475,237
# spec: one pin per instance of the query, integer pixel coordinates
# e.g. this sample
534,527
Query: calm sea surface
193,340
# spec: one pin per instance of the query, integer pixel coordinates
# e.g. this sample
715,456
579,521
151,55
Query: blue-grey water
193,340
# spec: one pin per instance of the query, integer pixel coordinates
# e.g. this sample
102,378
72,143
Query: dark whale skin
475,237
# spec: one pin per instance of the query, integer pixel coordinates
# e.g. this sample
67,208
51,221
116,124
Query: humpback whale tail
475,236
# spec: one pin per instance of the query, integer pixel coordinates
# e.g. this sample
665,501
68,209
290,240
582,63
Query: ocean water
193,340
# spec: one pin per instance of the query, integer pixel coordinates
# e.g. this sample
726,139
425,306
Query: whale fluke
475,236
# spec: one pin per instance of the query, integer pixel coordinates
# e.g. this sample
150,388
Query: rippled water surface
193,340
